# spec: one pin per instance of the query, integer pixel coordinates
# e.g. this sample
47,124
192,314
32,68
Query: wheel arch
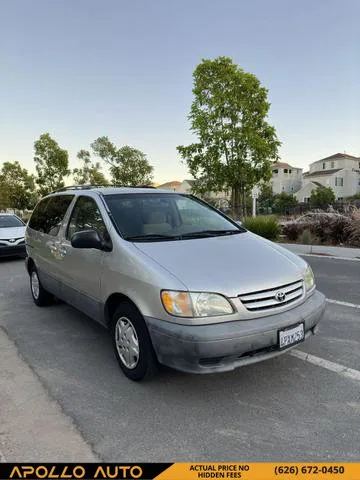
111,304
30,264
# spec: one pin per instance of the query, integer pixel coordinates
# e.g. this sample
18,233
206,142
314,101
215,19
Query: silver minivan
176,281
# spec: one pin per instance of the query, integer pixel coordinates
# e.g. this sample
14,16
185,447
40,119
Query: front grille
7,241
266,299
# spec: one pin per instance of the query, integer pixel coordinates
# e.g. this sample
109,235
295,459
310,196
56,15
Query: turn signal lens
177,303
195,304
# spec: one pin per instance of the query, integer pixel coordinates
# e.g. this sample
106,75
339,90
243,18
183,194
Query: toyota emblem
280,296
11,240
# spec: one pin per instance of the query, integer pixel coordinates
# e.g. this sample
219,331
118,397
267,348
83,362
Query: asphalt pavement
284,409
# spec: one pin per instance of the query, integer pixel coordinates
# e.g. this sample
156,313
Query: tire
40,296
130,336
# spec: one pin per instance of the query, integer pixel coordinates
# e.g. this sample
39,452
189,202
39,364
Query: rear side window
86,216
49,214
37,219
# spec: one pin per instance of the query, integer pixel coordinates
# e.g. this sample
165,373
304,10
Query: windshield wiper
201,233
210,233
151,237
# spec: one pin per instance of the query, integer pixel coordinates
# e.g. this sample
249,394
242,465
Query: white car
12,235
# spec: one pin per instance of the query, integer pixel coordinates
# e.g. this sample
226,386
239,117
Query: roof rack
89,187
75,187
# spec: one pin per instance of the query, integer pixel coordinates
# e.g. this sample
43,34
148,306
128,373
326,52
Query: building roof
322,173
173,184
283,165
338,155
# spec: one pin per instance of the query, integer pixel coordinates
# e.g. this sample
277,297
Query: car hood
230,265
12,232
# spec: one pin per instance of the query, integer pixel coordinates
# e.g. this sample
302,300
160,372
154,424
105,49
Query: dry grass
330,228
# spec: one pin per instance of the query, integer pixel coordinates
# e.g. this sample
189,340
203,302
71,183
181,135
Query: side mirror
86,239
239,222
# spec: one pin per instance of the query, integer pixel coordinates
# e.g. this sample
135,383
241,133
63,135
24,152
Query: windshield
10,221
164,217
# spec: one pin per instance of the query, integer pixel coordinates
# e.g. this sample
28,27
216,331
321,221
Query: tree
18,187
236,145
266,197
89,172
127,165
283,201
51,163
322,197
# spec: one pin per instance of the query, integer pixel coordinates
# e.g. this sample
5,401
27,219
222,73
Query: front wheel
132,344
40,296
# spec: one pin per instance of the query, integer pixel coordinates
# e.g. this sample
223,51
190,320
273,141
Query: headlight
195,304
309,279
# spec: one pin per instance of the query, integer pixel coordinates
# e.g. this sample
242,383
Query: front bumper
225,346
12,250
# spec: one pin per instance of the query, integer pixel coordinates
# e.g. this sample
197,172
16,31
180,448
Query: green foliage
235,143
127,165
307,238
266,197
51,163
354,197
265,226
322,197
89,173
17,187
283,201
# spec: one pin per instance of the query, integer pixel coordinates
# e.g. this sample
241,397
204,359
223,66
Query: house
285,178
303,195
185,186
174,185
340,171
182,187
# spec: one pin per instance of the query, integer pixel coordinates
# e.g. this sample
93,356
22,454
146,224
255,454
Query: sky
80,69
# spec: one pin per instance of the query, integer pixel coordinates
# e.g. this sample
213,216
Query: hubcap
127,343
35,286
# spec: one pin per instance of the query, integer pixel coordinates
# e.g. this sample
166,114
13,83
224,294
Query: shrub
322,196
292,231
353,230
283,202
267,227
331,228
306,238
339,229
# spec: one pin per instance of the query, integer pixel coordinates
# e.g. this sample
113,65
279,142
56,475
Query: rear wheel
132,344
40,296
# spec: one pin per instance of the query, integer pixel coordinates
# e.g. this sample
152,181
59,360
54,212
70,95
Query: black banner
86,471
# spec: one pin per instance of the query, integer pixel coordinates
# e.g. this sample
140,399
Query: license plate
291,336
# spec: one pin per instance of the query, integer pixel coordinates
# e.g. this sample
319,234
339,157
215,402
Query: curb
320,250
34,427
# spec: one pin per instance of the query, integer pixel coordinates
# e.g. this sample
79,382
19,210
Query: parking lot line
332,366
343,304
